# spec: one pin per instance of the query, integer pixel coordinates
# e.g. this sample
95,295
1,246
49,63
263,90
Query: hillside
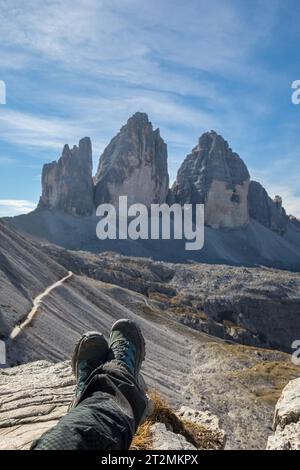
25,271
253,245
166,300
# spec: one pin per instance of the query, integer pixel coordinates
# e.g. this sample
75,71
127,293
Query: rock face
133,164
256,306
67,185
287,419
217,177
33,398
266,211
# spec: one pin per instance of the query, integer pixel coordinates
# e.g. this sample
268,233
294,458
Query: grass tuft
196,434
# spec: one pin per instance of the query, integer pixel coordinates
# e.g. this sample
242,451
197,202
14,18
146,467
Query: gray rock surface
215,176
203,418
287,438
255,306
295,222
164,439
161,297
25,271
287,419
33,397
67,185
266,211
134,164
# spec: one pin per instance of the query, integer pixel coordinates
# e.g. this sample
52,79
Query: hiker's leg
106,416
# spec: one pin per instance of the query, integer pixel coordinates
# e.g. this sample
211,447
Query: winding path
36,303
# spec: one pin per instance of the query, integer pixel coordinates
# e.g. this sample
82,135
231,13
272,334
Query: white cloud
51,133
38,131
133,41
12,207
151,54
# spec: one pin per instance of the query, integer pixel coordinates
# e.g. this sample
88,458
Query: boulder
287,419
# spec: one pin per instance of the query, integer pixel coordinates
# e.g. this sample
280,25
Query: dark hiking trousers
106,416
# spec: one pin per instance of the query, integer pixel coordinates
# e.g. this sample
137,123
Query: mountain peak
138,118
134,164
67,184
217,177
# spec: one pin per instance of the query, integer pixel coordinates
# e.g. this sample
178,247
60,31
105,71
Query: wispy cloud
85,66
32,130
137,42
12,207
50,132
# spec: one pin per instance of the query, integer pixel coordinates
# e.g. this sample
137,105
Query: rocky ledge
287,419
34,396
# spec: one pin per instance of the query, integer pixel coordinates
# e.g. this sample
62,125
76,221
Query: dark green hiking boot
127,345
90,352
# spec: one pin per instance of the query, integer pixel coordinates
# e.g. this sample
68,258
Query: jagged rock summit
215,176
67,185
243,224
134,164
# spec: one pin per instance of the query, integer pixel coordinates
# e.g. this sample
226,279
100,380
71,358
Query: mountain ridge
243,225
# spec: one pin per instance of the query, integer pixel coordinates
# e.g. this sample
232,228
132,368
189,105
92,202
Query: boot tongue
124,351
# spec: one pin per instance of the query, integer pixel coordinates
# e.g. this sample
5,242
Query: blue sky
75,68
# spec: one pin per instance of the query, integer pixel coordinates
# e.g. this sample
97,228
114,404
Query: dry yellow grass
159,296
199,436
265,372
143,438
267,378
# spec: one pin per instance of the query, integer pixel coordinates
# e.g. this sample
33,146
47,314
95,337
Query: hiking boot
90,352
127,345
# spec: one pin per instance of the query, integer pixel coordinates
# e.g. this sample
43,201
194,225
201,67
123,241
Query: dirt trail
36,303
